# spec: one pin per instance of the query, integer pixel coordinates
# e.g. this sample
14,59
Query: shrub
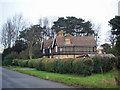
65,65
23,63
83,66
8,60
106,63
16,61
50,64
31,63
38,64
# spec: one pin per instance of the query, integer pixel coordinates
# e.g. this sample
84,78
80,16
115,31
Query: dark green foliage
83,66
50,65
8,60
115,24
65,65
23,63
73,25
106,63
16,62
19,46
38,64
31,63
118,45
112,50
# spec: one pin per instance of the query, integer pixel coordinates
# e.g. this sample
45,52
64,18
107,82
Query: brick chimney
60,33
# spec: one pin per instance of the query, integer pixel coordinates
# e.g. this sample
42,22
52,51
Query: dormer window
67,41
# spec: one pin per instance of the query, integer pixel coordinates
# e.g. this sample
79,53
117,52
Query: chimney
60,33
67,39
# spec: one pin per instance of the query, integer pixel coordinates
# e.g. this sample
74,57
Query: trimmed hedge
82,66
23,63
106,63
16,62
65,65
31,63
8,60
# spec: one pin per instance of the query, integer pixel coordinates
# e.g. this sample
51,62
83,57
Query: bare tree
8,34
10,30
40,22
111,38
97,34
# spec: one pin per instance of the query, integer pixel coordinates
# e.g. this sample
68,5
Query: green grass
93,81
15,67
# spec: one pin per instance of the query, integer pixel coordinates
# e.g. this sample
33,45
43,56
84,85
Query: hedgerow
82,66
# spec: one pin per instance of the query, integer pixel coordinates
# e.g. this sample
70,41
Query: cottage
68,46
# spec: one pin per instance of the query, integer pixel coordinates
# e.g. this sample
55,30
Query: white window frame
43,51
56,49
50,50
60,49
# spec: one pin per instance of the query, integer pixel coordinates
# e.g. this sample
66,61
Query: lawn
15,67
93,81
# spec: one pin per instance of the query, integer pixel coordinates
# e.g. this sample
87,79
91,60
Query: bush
23,63
65,65
106,63
50,64
38,64
16,61
83,66
31,63
8,60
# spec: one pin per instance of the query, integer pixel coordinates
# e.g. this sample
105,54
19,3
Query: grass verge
93,81
15,67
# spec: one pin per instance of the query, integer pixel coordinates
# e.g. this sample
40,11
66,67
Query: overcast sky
97,11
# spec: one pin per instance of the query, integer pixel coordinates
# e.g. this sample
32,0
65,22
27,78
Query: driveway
13,79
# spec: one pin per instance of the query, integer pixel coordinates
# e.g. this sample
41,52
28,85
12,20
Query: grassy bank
93,81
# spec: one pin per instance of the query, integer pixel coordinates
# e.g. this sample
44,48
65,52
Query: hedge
23,63
82,66
8,60
106,63
31,63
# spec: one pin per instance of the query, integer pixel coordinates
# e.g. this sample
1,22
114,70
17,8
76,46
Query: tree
115,29
97,33
32,36
10,30
115,24
74,26
105,46
8,34
19,46
111,38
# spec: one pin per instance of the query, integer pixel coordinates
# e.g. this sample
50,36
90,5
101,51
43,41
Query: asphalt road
12,79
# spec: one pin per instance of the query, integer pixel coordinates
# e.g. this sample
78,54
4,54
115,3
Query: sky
98,12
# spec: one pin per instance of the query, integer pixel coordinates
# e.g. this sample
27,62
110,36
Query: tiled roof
77,41
74,40
47,43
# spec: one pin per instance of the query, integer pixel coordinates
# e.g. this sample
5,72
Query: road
12,79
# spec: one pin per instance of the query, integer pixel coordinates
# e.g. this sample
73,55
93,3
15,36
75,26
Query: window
56,49
60,49
43,51
67,41
50,50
